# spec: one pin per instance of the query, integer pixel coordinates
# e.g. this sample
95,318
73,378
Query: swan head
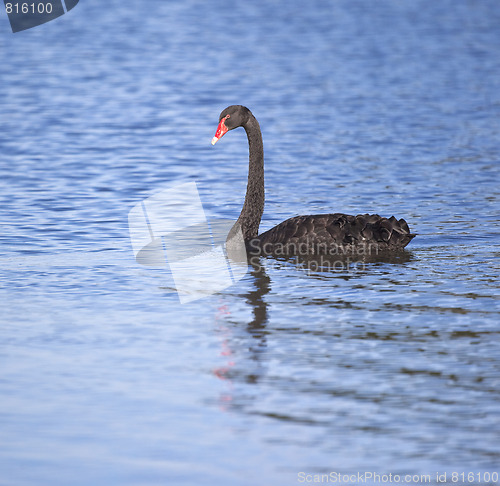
232,117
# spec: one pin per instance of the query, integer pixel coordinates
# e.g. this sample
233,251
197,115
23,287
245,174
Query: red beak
221,130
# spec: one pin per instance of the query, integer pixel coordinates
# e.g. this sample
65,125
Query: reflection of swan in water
255,298
244,345
342,266
256,330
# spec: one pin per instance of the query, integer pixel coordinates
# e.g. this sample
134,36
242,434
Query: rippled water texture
391,366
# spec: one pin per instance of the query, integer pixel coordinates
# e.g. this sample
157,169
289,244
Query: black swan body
307,235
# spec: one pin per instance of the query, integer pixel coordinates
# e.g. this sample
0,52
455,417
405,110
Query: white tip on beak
214,140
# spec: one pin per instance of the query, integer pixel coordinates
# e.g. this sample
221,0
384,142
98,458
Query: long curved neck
253,207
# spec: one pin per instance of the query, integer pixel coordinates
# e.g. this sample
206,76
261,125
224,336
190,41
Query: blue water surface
390,366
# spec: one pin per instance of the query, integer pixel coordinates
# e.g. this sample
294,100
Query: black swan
307,235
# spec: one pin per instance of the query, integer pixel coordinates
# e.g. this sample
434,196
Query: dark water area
388,365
